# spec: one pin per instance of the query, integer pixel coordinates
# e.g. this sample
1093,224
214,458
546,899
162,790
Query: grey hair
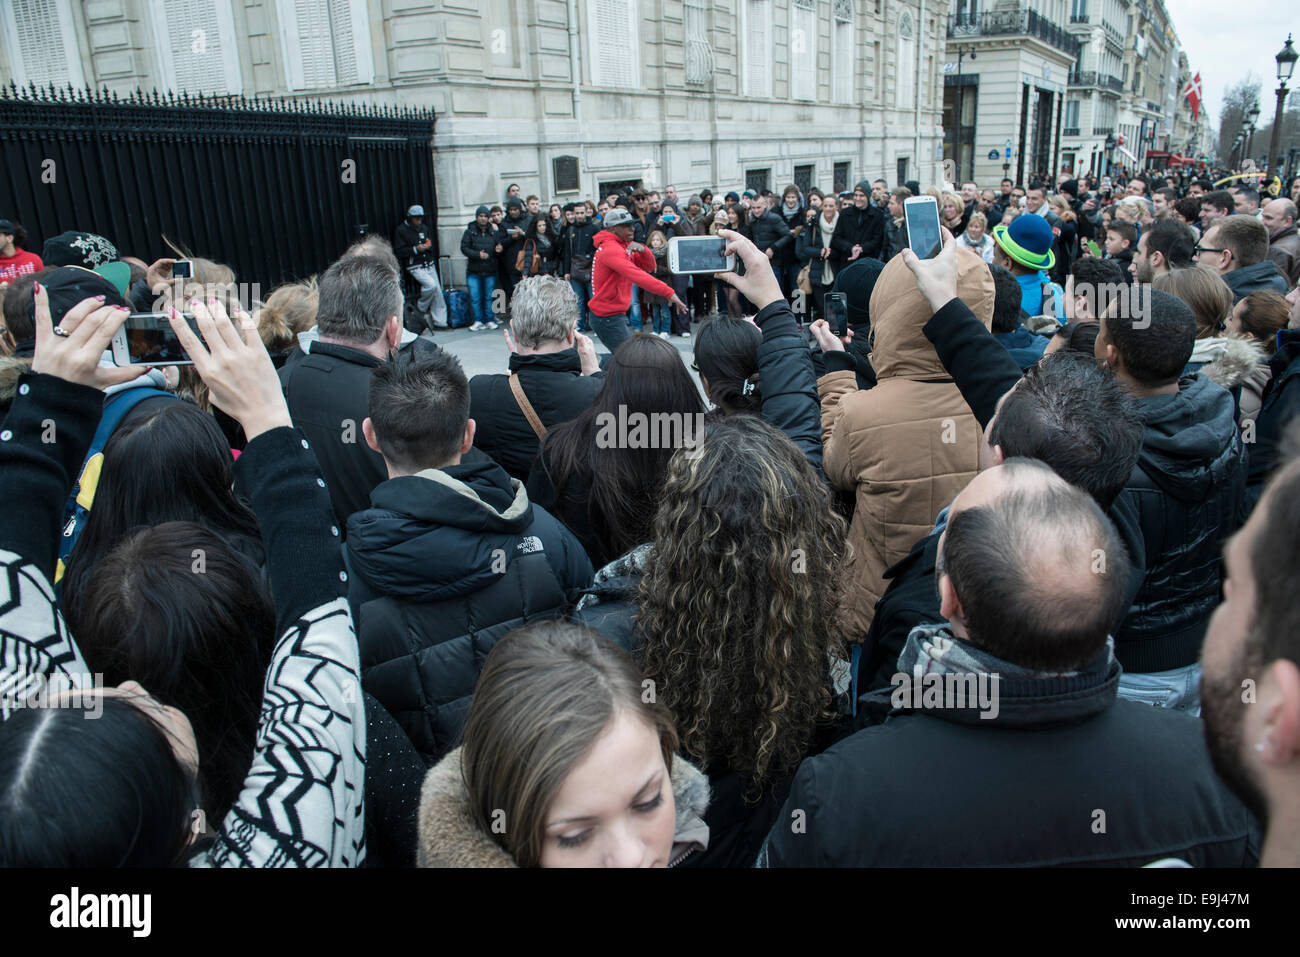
544,309
376,247
357,295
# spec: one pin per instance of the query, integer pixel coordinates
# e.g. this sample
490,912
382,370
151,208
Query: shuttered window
757,48
905,77
803,50
842,54
699,52
42,42
326,43
196,46
612,29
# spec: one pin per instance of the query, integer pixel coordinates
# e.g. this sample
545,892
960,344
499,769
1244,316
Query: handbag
804,282
580,268
519,261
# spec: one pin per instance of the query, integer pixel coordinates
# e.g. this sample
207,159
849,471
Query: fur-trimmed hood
449,836
1231,361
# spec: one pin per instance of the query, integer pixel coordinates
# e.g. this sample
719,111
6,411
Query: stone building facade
564,97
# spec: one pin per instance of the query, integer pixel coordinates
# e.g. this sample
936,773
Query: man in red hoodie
619,265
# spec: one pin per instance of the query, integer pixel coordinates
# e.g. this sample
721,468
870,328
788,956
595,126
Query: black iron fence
273,188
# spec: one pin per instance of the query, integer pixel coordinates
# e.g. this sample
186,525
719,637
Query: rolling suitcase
460,312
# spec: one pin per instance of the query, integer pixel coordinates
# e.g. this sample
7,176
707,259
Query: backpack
116,408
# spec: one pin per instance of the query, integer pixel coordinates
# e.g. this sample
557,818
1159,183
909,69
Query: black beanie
856,281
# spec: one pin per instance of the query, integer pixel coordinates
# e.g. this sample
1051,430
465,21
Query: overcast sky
1227,40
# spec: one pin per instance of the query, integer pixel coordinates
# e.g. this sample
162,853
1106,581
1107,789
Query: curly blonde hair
738,611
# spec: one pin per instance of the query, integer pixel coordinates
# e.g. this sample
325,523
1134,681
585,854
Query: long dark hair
644,375
726,353
531,232
77,792
166,462
175,609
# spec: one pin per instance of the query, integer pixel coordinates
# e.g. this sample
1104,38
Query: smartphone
182,269
147,339
921,214
836,307
1094,248
699,254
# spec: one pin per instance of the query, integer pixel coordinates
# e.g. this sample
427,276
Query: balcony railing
1079,17
699,61
1103,130
1092,78
996,23
1070,131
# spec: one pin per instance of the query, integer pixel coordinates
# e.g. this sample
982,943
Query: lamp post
962,52
1251,119
1285,65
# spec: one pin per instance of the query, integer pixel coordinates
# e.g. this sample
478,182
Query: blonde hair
1062,207
289,310
650,240
1208,296
978,217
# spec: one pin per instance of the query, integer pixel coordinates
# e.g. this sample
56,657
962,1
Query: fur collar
449,837
1235,362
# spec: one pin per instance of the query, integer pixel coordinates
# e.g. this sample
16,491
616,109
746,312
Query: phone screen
923,228
837,313
182,269
150,340
701,254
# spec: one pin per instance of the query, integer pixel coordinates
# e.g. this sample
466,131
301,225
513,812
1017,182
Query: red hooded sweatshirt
614,272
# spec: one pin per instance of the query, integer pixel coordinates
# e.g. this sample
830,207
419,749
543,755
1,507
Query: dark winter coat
771,232
1261,277
555,387
1025,347
474,241
1189,488
409,238
1280,406
513,243
443,565
858,227
1020,789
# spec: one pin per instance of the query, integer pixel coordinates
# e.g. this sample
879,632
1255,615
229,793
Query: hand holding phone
836,307
921,215
702,255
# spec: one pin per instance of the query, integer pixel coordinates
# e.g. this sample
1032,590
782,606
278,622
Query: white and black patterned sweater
303,799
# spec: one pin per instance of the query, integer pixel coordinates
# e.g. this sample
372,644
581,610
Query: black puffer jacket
1189,488
577,241
859,227
407,243
554,386
474,241
513,243
771,232
444,565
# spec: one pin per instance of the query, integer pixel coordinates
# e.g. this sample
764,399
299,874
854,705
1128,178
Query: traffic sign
993,154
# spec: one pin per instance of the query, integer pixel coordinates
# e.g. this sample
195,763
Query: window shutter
699,54
758,47
326,43
905,80
842,57
197,45
803,50
315,43
44,41
614,43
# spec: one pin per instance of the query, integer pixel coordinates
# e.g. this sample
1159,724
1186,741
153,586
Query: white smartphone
921,214
147,339
699,254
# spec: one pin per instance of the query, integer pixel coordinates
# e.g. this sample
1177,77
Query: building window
326,43
699,52
43,42
840,178
842,54
758,179
905,79
613,32
803,178
757,65
901,169
1072,114
196,46
803,50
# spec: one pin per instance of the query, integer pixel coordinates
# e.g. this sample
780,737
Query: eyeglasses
1207,249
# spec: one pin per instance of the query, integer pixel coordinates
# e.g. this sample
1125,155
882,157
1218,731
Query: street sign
1008,153
993,154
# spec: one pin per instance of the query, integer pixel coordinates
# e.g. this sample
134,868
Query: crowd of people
997,577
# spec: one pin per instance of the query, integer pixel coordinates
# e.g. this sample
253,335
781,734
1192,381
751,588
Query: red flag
1193,96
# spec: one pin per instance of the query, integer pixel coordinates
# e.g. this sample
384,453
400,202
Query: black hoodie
443,565
1189,490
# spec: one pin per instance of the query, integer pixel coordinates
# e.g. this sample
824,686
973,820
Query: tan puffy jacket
907,446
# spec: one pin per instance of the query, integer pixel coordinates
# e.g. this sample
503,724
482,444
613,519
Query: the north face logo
529,545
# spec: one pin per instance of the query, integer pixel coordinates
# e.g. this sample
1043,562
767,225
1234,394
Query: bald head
1030,568
1278,215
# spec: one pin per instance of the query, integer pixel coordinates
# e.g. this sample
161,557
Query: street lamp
1252,118
1285,65
962,52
